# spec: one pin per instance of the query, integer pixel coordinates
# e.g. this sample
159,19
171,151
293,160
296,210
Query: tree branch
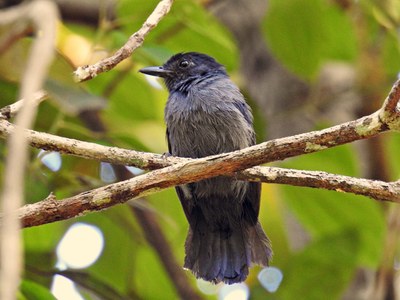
273,150
188,170
379,190
43,14
11,110
182,171
135,41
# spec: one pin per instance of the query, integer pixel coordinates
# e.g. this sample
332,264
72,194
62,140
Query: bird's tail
225,255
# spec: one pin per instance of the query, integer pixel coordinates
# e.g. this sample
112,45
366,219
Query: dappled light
238,291
80,247
51,160
107,173
64,289
270,278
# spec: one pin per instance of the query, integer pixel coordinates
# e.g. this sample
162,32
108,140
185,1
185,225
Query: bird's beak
155,71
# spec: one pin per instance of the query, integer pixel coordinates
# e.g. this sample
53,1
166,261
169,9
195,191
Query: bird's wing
183,198
245,110
168,142
251,203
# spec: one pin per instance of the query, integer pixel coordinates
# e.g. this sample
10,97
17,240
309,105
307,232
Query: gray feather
206,114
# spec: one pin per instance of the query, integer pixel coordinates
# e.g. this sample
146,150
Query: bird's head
184,68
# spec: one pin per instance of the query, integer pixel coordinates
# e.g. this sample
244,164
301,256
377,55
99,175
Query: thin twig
376,189
43,15
9,111
135,41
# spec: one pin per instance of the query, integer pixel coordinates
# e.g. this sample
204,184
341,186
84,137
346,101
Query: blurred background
302,65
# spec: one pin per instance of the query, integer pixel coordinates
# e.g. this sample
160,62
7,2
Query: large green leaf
304,33
323,212
327,212
89,282
188,27
40,246
393,146
323,269
30,290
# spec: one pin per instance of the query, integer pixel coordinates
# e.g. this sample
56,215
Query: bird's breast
198,130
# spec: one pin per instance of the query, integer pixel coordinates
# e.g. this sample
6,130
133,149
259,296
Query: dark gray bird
206,114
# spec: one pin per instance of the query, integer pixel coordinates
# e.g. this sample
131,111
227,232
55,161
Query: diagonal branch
274,150
51,210
182,170
135,41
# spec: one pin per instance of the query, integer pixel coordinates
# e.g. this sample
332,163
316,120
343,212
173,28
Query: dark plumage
206,114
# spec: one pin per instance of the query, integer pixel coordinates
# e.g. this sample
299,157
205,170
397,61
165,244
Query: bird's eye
184,64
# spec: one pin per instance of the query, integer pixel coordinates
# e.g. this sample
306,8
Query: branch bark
177,171
273,150
376,189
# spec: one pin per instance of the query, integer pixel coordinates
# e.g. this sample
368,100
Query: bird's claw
165,155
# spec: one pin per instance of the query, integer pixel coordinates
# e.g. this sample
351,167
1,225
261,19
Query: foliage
345,232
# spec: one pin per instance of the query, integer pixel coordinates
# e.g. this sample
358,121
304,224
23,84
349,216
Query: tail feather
217,256
259,245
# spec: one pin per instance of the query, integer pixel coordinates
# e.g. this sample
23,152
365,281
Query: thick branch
48,211
278,149
185,170
135,41
88,150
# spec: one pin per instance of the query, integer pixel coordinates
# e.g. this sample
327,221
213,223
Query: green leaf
393,145
43,238
340,160
188,27
322,270
324,212
8,93
91,283
40,246
33,291
304,33
391,52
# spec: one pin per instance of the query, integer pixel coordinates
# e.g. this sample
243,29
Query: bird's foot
165,155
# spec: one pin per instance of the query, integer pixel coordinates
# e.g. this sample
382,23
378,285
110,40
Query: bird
206,114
